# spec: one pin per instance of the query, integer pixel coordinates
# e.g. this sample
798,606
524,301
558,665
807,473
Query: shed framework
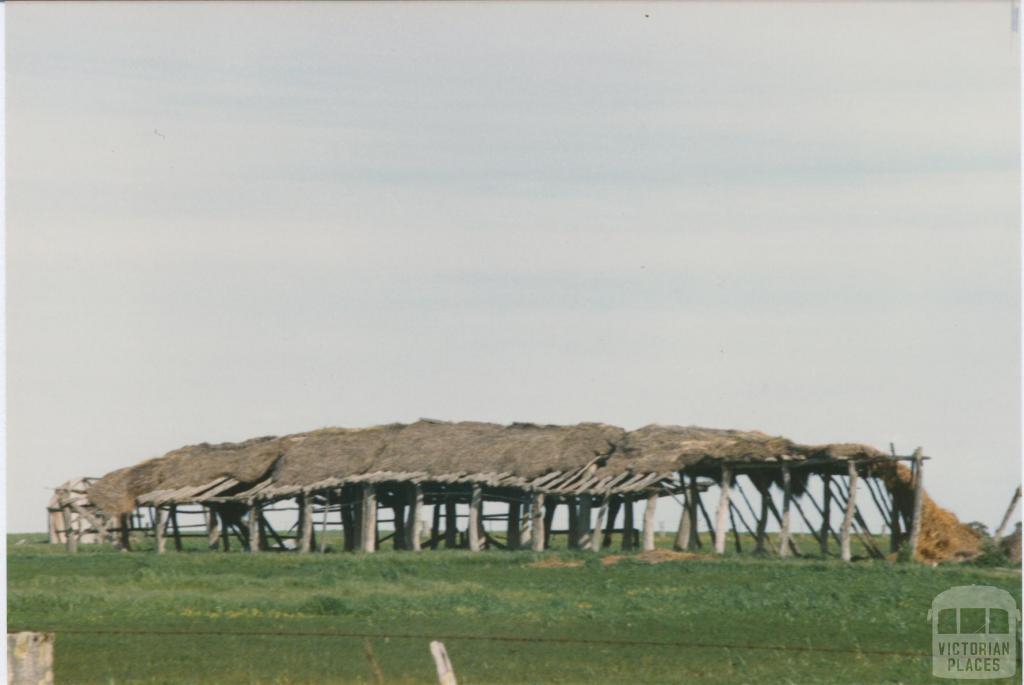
374,485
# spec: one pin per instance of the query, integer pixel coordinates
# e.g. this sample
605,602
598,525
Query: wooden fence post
30,658
723,509
915,523
369,534
787,500
851,507
537,522
445,673
652,503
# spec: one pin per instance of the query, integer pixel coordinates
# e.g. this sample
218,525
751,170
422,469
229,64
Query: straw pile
943,536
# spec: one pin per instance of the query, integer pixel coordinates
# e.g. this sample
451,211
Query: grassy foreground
719,614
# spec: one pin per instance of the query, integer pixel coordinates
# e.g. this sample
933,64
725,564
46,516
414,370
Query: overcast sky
230,220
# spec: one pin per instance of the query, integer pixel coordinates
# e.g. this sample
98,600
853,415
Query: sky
241,219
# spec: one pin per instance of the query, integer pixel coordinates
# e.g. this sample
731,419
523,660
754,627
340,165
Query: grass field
730,620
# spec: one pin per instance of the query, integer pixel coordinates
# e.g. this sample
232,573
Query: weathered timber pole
212,529
652,503
915,523
573,537
762,519
597,533
225,532
305,522
400,537
368,538
787,500
851,507
627,523
721,528
513,531
30,658
451,524
476,506
255,530
125,527
683,533
161,529
614,505
174,526
412,526
537,533
550,507
826,513
351,511
583,522
1008,514
693,502
70,536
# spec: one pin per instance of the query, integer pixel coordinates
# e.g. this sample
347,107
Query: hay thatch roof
587,457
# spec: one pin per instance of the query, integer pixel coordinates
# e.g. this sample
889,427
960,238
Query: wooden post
369,534
351,519
652,503
583,522
174,527
762,519
451,524
826,514
573,538
723,509
787,500
161,529
435,526
915,522
537,536
851,506
342,509
693,502
401,537
476,507
125,525
513,534
30,658
412,526
445,674
596,534
305,522
255,539
684,532
550,506
70,536
614,504
212,529
225,532
1009,512
627,523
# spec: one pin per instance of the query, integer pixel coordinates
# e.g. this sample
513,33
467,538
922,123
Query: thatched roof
587,457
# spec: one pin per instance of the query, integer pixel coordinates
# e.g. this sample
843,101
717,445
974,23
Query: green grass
741,602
